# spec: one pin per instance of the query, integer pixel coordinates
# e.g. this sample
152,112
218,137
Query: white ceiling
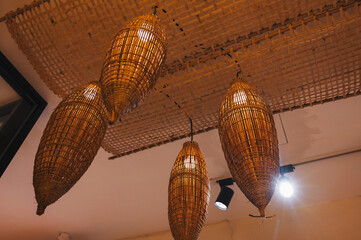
128,196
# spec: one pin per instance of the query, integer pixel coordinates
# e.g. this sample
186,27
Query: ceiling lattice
296,53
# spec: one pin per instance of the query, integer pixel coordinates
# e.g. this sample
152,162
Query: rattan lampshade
188,193
69,144
249,141
132,64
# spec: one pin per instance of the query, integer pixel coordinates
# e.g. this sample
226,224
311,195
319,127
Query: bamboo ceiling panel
296,53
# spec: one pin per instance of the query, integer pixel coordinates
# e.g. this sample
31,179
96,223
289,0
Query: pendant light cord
179,107
235,61
175,22
167,95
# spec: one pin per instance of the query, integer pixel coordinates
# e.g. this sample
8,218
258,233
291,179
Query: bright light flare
240,97
190,162
90,93
145,33
285,187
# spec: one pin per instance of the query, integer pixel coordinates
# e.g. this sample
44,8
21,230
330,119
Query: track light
285,186
224,198
226,194
287,169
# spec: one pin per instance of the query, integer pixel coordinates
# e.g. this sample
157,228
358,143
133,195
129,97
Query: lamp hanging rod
155,10
190,119
179,107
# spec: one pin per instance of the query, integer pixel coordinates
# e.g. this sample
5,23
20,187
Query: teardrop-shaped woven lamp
188,193
249,141
132,64
69,144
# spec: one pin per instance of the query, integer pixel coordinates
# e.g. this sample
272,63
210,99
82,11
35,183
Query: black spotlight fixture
226,194
285,185
287,169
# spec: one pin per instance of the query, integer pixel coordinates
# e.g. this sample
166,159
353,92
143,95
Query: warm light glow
90,93
188,193
132,64
221,206
144,34
240,97
286,188
190,162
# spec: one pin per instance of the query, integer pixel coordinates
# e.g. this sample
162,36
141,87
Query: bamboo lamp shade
249,141
132,64
188,193
69,144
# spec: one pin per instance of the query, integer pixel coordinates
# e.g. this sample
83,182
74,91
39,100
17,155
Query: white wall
332,221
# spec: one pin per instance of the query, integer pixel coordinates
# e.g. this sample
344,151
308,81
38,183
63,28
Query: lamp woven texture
249,142
188,193
132,64
297,53
70,141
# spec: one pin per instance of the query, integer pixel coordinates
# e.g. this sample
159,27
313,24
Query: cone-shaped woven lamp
188,193
69,144
249,141
132,64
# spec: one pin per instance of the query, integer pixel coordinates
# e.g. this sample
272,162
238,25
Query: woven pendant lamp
249,141
69,144
132,64
188,193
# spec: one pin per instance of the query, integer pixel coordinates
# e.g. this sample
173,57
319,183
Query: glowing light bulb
190,162
90,93
240,97
145,33
285,187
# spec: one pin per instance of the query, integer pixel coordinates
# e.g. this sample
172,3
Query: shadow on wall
301,133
